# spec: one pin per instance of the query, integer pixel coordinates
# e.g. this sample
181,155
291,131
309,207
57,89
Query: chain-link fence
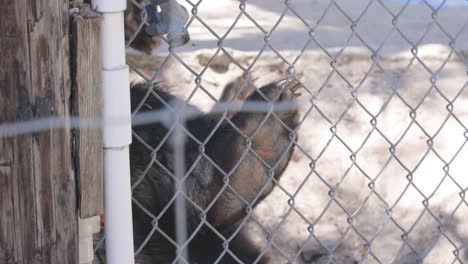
349,147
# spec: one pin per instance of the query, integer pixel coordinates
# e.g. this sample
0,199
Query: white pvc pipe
116,134
118,225
113,40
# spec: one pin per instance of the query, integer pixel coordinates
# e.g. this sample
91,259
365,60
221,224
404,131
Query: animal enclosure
308,131
377,174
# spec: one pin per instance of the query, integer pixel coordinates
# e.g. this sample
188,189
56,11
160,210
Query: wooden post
87,102
38,197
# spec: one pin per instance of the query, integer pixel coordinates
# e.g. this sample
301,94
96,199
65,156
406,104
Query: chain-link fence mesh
377,174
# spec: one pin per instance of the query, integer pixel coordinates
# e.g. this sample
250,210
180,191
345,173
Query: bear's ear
256,149
239,89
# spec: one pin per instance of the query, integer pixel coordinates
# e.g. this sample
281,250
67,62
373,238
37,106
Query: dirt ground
332,27
364,207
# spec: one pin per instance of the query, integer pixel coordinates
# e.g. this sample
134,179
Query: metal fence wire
372,165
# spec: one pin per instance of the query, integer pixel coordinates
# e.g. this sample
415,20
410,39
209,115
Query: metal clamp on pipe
117,128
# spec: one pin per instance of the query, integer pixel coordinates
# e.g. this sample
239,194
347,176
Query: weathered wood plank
87,102
7,236
38,184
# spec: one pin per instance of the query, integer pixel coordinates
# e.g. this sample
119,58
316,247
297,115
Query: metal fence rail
175,118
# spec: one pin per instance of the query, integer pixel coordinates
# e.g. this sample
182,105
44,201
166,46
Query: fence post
38,213
116,133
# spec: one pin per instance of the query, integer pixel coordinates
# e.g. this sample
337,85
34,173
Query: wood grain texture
38,206
87,103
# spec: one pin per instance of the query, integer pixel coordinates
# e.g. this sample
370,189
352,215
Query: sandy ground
383,204
332,31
